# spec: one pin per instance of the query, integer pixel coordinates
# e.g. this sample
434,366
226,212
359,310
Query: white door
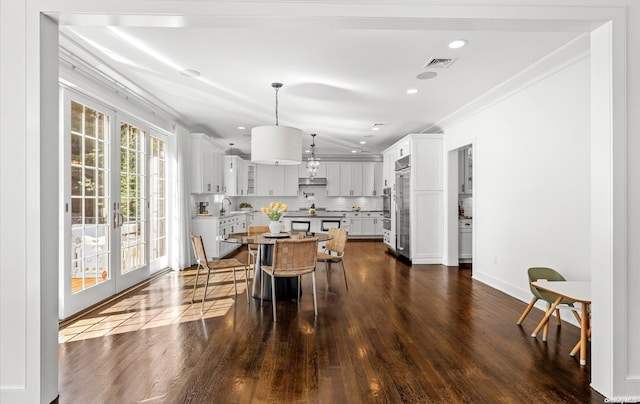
110,179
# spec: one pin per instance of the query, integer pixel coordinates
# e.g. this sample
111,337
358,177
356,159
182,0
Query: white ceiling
339,79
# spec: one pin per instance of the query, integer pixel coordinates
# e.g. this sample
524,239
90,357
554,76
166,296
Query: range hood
312,182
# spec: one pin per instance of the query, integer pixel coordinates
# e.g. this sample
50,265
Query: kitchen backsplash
315,195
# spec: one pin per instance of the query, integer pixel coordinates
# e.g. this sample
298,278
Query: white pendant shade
281,145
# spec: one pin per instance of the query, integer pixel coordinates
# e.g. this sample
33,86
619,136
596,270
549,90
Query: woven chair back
295,256
198,250
338,241
258,229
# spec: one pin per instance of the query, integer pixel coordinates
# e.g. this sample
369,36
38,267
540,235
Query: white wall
531,181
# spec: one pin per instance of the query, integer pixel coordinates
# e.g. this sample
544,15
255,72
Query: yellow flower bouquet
275,210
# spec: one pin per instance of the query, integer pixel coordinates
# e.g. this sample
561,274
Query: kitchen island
319,222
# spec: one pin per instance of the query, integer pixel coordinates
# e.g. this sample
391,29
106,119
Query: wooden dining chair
292,258
253,248
334,251
220,266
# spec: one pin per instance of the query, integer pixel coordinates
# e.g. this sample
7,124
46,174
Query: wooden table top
268,238
579,291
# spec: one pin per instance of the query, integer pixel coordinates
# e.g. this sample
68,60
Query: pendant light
231,160
313,161
274,144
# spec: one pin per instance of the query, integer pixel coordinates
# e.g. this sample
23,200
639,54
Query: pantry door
104,240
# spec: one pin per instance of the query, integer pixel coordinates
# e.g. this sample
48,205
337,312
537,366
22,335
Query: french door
114,170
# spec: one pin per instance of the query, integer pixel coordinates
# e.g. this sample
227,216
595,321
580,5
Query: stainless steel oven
386,203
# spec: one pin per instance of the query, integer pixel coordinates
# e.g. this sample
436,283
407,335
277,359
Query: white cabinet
276,180
403,148
369,179
465,240
250,177
378,179
355,226
333,179
465,170
212,227
234,176
372,181
290,180
388,169
270,180
365,224
351,179
206,165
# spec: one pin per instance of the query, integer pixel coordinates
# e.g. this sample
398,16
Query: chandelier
274,144
313,161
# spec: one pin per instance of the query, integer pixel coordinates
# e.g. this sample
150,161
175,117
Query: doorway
115,203
465,207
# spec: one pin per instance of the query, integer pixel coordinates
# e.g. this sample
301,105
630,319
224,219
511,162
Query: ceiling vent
438,63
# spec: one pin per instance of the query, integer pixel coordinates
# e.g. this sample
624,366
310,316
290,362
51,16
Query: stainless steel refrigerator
403,225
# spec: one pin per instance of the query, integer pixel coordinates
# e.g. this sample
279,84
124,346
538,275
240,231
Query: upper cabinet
351,179
354,179
403,148
206,166
333,179
388,171
235,176
276,180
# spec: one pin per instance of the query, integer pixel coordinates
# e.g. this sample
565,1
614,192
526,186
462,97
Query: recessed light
190,73
241,128
412,91
354,151
426,75
307,151
458,43
375,128
363,142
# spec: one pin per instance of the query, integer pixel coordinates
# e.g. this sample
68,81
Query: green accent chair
536,273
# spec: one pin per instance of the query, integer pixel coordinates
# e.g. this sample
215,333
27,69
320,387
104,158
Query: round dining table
286,288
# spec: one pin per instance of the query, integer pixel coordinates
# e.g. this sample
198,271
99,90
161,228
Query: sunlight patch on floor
156,305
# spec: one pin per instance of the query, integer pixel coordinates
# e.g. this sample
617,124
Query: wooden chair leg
206,285
577,316
235,286
545,319
558,317
576,348
195,284
261,288
273,296
246,282
315,303
344,272
527,310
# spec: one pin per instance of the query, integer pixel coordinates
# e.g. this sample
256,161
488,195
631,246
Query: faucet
222,211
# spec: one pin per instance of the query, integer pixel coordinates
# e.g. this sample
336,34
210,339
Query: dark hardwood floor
420,334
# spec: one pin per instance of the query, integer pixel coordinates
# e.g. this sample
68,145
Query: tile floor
160,303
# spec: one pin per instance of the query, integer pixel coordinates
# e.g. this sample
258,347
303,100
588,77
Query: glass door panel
133,238
90,252
158,204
